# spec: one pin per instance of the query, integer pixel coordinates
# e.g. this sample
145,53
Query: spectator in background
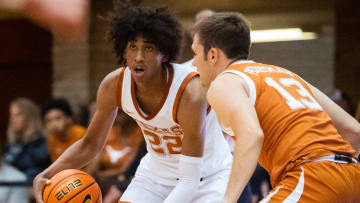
59,127
26,149
119,154
10,174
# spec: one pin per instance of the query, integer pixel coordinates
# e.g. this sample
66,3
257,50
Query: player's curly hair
158,25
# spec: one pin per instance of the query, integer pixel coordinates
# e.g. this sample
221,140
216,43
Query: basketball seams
81,191
58,182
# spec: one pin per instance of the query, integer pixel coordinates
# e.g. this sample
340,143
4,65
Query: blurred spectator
80,114
8,173
59,128
26,149
203,14
344,101
119,155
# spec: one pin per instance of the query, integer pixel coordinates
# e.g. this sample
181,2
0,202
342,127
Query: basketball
73,186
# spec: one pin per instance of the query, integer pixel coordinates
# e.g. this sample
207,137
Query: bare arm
192,119
345,124
229,98
85,149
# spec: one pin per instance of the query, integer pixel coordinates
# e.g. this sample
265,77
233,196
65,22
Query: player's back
163,133
295,126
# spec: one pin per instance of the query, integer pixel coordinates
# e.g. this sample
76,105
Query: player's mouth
139,69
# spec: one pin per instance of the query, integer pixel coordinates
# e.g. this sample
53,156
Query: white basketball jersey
163,134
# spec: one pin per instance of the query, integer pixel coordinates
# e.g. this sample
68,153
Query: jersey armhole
119,88
249,82
180,92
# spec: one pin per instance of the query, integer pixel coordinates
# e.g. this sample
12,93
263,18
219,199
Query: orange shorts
323,181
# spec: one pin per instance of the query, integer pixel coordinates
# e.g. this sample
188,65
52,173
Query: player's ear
213,55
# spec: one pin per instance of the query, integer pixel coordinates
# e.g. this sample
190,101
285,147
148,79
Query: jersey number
306,101
173,143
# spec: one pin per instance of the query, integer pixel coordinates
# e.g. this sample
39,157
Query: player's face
18,120
144,59
56,122
202,65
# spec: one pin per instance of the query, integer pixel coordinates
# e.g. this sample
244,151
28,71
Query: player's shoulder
111,80
194,92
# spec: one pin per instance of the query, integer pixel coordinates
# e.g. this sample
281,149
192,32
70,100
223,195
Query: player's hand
39,184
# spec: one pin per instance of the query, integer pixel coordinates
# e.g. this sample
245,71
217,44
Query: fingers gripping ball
72,186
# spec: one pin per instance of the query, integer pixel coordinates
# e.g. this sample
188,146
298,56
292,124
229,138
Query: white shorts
143,189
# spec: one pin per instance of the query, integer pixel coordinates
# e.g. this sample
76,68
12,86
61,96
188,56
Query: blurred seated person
8,173
26,149
112,167
59,128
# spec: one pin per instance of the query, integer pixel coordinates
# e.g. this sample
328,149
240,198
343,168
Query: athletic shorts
143,189
319,181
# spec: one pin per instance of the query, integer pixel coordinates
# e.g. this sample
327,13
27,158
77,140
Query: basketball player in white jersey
188,159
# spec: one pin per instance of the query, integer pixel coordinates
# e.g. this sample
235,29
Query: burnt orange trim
163,99
180,92
119,87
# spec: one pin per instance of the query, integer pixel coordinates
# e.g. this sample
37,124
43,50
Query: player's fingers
39,185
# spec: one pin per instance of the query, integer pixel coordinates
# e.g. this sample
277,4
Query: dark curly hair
158,25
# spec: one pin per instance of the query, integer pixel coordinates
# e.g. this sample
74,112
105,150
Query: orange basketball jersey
120,149
57,146
295,126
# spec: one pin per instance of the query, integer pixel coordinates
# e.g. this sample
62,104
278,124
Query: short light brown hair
228,31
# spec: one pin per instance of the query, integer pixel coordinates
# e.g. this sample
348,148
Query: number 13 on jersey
283,84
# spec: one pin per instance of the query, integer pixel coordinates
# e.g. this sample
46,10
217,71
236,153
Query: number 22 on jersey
283,84
172,143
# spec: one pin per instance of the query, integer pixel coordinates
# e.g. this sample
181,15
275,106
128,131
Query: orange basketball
72,186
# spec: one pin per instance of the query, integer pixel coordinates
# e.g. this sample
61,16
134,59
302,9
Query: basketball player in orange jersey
298,134
188,159
67,18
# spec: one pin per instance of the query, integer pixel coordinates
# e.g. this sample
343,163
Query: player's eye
132,46
149,48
